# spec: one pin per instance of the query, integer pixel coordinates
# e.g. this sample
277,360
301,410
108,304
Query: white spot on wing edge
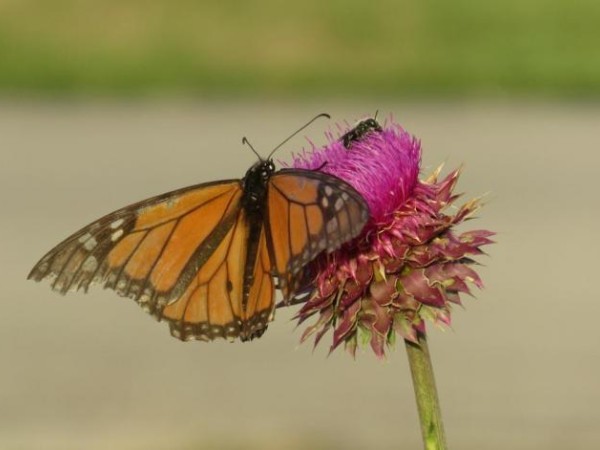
116,235
84,238
90,244
331,226
117,223
90,264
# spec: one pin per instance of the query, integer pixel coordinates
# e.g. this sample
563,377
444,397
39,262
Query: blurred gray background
104,104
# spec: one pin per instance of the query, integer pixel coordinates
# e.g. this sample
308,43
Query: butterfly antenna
375,116
318,116
247,142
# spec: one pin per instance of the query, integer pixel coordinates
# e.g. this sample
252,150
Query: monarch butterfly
363,127
205,257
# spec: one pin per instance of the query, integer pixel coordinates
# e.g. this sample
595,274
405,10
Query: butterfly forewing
148,251
309,212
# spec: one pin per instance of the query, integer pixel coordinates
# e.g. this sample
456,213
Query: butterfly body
208,258
255,185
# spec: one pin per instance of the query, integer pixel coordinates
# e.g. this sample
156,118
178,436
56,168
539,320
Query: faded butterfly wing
208,258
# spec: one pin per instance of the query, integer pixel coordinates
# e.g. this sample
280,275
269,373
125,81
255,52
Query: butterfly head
266,168
260,172
255,184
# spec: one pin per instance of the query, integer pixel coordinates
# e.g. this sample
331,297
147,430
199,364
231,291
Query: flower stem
428,404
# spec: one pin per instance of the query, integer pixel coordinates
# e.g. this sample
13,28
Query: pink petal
416,284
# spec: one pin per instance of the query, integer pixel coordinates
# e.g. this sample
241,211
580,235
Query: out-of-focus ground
519,370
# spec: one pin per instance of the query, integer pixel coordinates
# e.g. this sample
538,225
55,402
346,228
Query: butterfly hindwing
261,295
215,303
309,212
210,307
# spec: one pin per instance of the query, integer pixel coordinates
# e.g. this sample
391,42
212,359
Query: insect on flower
208,258
360,130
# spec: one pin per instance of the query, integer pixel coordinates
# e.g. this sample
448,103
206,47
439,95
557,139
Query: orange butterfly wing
308,213
213,304
148,251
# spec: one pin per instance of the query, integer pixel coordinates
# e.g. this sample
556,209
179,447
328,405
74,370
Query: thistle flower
409,265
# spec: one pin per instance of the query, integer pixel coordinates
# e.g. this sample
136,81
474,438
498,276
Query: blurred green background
338,47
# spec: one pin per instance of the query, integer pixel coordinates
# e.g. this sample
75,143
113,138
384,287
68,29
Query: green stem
428,404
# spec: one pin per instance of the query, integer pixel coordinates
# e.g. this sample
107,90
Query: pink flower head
383,167
408,265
